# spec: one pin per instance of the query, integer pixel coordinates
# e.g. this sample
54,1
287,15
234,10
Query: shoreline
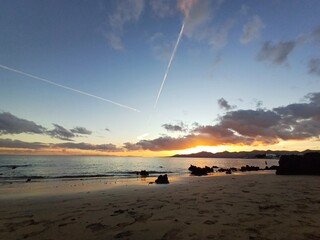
242,206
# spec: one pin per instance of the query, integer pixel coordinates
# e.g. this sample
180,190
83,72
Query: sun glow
197,149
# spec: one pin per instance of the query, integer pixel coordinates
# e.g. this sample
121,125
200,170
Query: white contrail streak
68,88
169,64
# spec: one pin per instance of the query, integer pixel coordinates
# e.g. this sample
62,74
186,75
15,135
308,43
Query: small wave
85,176
14,166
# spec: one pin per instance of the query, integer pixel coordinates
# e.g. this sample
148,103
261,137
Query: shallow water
50,167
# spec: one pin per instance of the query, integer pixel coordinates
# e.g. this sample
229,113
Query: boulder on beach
307,164
249,168
162,179
198,171
143,173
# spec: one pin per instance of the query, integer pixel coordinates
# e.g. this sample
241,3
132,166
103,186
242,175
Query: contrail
169,64
68,88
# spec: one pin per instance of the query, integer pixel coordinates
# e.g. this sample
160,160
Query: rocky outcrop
143,173
198,171
162,179
307,164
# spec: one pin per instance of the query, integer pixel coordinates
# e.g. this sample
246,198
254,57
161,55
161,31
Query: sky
158,77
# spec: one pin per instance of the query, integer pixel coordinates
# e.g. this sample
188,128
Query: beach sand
238,206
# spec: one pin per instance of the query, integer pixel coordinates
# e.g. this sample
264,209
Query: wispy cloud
81,130
251,30
162,8
197,16
9,143
179,127
314,66
61,133
125,12
17,144
86,146
219,36
276,53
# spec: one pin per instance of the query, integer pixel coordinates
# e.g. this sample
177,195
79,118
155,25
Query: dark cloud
10,124
223,104
9,143
81,130
314,66
86,146
180,127
276,53
298,121
107,129
161,143
61,133
316,34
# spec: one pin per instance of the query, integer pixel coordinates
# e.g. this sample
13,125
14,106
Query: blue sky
250,55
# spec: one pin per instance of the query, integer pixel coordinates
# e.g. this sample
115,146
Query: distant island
268,154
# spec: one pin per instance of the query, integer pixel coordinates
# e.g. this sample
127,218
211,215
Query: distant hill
244,154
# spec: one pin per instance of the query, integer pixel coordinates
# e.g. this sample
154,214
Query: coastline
244,206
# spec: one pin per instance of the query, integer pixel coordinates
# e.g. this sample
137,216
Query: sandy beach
237,206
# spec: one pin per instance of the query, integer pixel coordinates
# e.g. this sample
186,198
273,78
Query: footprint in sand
210,222
123,234
95,227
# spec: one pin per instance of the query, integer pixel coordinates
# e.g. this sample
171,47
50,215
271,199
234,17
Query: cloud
114,41
81,130
244,9
219,36
107,129
298,121
86,146
10,124
9,143
315,35
125,12
143,136
197,15
162,8
161,47
61,133
180,127
276,53
251,30
223,104
314,66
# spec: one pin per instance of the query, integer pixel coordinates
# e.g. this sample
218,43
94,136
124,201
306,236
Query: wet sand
237,206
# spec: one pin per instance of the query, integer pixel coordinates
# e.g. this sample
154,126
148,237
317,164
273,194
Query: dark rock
249,168
143,173
228,171
162,179
28,180
273,167
198,171
307,164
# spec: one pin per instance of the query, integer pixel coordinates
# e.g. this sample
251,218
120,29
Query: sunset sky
82,77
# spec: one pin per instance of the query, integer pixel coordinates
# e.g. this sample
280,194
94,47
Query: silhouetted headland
243,154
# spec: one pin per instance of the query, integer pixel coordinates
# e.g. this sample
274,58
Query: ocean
59,167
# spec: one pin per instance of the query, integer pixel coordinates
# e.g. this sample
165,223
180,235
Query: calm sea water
51,167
